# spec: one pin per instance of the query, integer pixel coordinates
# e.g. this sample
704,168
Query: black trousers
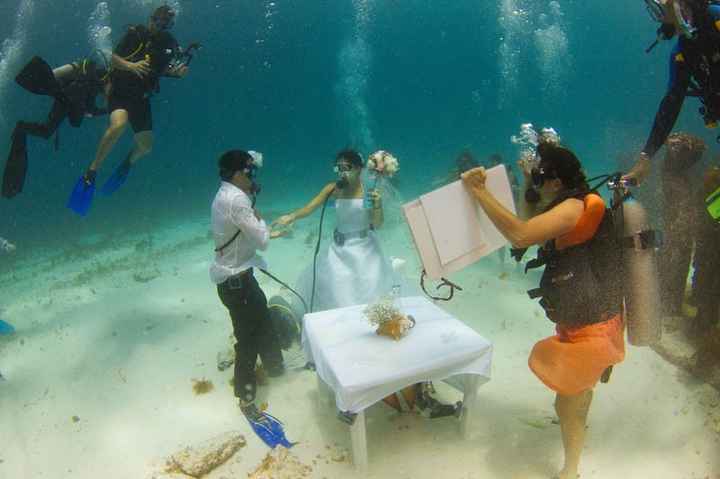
254,333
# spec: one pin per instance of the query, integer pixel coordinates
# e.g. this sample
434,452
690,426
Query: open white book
450,229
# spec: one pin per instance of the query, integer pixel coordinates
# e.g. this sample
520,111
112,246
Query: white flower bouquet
382,165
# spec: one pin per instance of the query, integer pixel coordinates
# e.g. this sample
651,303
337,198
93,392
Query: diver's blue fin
117,179
278,431
6,328
268,428
82,196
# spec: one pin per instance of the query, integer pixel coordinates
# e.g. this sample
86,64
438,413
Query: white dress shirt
232,211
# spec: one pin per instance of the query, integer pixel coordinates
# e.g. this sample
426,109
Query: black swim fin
16,166
37,77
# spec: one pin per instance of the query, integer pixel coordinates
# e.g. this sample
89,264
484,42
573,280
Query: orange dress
572,361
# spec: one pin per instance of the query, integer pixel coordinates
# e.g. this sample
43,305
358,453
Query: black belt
238,281
341,238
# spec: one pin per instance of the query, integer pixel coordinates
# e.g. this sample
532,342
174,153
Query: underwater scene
359,239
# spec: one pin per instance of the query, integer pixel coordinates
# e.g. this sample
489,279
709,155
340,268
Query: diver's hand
284,220
475,179
274,234
641,169
141,68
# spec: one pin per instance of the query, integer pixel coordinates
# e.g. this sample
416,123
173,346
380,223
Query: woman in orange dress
589,335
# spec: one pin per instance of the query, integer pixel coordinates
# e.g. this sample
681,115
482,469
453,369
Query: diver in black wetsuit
694,68
143,56
74,87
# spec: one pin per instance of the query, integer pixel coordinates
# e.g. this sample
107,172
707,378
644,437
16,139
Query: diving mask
539,175
341,168
164,20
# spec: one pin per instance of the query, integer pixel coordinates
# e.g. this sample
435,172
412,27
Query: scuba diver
143,56
587,311
694,68
74,87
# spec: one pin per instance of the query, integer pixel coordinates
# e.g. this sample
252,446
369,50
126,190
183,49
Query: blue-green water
298,82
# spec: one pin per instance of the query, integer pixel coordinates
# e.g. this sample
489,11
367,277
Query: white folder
450,229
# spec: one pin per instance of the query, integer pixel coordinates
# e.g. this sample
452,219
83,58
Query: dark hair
351,156
164,12
563,164
233,161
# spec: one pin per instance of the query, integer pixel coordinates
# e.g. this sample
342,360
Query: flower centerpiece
388,319
383,165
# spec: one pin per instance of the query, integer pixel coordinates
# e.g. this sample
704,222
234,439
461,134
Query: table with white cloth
361,368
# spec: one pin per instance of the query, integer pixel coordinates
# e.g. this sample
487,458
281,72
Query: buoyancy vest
158,48
582,281
82,90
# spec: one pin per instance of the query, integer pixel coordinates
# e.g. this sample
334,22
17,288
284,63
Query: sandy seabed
99,375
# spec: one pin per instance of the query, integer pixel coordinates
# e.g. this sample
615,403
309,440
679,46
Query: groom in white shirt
239,231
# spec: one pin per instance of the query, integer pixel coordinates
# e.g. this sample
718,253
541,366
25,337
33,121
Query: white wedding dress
351,267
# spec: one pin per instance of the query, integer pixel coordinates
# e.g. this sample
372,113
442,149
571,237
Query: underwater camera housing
619,183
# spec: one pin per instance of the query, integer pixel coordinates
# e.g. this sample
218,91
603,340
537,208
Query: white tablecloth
362,367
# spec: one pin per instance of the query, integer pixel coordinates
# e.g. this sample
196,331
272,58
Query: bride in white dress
351,269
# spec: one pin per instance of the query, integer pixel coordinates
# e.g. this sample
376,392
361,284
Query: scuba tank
641,291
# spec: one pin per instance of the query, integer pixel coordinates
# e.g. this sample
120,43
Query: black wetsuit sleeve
669,110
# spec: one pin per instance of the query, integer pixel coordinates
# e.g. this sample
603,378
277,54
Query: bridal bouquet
383,165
